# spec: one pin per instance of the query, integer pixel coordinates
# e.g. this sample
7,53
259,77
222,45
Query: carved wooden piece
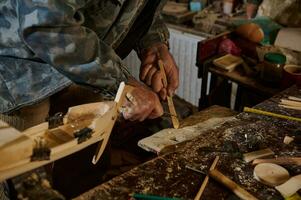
174,118
271,174
99,117
248,157
279,161
290,187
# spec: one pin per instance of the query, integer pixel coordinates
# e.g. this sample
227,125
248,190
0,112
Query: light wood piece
271,174
248,157
61,141
234,187
206,180
280,161
119,99
290,187
228,62
172,110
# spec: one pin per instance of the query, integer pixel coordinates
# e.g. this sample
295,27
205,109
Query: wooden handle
280,161
206,180
234,187
172,110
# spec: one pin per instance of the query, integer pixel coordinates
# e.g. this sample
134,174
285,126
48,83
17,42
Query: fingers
173,81
157,82
144,71
146,65
163,94
142,103
150,75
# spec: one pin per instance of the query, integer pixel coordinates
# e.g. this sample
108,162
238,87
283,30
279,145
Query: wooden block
228,62
290,187
280,161
248,157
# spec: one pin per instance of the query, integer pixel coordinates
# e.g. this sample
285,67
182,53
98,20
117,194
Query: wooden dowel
206,180
172,110
262,112
248,157
294,98
290,107
291,103
234,187
280,161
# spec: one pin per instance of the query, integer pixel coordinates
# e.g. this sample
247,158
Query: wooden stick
262,112
280,161
248,157
294,98
120,96
290,107
172,110
205,182
291,103
234,187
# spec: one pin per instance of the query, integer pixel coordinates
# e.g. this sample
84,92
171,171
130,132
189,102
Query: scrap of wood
166,140
290,107
290,102
279,161
234,187
288,139
205,182
290,187
248,157
171,106
294,98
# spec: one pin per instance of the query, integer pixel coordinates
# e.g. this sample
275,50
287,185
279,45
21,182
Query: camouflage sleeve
53,30
256,2
158,31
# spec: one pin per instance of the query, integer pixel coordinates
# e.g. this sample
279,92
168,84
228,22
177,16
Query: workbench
167,176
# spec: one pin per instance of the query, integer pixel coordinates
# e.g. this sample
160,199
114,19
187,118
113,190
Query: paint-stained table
167,176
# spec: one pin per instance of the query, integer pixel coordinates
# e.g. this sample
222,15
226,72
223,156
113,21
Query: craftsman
55,48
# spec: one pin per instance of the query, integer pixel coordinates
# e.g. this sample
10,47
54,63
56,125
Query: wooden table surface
167,176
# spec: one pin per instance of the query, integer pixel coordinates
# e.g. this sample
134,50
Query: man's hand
141,103
150,72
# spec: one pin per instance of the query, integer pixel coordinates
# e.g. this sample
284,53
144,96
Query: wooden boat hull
101,127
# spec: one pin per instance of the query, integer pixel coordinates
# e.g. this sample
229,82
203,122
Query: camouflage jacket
45,45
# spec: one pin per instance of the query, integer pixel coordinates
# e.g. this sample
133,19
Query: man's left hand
150,72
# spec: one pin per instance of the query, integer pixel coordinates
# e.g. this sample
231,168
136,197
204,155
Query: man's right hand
141,103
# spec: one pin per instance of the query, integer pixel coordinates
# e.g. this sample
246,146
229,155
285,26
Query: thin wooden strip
294,98
206,180
172,110
290,187
290,107
234,187
248,157
266,113
279,161
290,102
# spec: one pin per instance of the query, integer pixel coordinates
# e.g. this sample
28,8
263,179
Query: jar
272,68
